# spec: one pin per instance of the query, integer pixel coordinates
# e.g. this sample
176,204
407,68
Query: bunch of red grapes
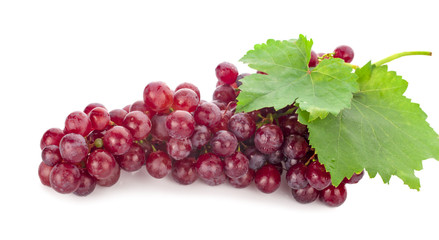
174,132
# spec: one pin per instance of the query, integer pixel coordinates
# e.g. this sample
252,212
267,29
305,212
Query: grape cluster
174,132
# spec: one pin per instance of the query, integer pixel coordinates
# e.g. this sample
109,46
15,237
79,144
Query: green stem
398,55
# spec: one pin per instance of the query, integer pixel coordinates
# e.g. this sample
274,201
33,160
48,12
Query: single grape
44,173
268,138
296,176
222,178
158,96
79,123
201,136
99,118
317,176
276,157
344,52
355,178
207,114
189,86
87,184
141,106
118,140
241,76
138,123
92,106
242,125
295,147
307,194
51,137
243,181
132,160
267,179
158,164
179,148
51,155
65,178
209,166
185,99
100,164
159,129
334,196
290,125
127,108
235,165
117,116
184,171
73,148
313,61
223,124
226,72
224,143
256,158
180,124
224,93
110,180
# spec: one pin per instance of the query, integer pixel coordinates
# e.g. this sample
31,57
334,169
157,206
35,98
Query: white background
58,56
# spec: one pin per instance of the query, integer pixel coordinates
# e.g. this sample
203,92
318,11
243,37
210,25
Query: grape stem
398,55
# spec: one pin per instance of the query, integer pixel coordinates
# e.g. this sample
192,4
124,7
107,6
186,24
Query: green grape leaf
383,131
327,88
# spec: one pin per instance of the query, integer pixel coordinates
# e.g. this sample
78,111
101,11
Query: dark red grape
158,164
51,155
118,140
215,181
44,173
344,52
79,123
138,123
91,106
307,194
209,166
201,136
99,118
290,125
207,114
296,176
267,179
51,137
65,178
158,96
243,181
189,86
242,125
73,148
179,148
226,72
185,99
224,143
268,138
132,160
276,157
184,171
117,116
334,196
235,165
313,61
317,176
356,177
295,147
100,164
87,185
180,124
224,93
